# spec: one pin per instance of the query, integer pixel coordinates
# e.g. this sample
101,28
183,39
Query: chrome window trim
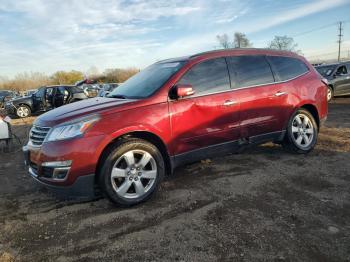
240,88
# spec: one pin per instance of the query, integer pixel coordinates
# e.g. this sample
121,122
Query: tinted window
208,77
61,90
40,93
325,70
148,81
341,70
4,93
287,67
249,71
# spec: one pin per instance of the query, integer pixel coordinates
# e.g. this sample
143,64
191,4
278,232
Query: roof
245,50
230,51
334,64
56,86
176,59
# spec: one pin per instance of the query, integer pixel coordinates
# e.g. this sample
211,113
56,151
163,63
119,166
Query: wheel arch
145,135
314,112
25,104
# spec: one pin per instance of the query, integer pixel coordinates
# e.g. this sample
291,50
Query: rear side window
249,71
341,70
208,77
287,68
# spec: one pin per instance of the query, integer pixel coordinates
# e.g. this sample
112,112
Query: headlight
72,129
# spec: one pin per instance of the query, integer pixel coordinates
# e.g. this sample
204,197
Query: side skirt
224,148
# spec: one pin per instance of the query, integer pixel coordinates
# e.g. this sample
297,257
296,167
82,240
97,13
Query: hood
79,109
20,99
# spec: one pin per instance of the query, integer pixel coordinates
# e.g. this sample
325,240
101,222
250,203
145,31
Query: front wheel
131,172
302,132
23,111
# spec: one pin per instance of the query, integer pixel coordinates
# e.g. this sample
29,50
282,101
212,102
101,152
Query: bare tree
224,41
284,43
240,40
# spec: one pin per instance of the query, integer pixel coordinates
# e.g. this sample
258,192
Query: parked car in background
338,76
44,99
6,95
174,112
91,90
107,88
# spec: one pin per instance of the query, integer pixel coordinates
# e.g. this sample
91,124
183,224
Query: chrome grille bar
38,134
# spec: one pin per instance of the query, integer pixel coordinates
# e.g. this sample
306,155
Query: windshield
146,82
326,70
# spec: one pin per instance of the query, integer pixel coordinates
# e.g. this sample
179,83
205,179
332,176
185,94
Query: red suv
174,112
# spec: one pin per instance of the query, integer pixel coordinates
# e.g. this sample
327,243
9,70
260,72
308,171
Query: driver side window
342,70
208,77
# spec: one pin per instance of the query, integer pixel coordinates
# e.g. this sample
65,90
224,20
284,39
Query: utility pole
340,38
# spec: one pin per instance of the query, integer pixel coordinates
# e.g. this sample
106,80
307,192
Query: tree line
240,40
33,80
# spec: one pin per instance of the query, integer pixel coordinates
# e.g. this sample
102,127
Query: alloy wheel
302,130
329,94
22,111
133,174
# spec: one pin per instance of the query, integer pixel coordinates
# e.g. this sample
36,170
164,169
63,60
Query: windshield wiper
117,96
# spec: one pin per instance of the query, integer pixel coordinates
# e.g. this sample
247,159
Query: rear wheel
23,111
329,93
302,132
132,172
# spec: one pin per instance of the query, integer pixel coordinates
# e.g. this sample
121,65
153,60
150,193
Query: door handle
229,103
279,93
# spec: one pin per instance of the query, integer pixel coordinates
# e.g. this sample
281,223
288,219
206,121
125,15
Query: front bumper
83,186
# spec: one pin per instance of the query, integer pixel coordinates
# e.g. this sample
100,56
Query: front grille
37,135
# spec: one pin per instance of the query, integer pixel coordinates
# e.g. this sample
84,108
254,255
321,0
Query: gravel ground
262,204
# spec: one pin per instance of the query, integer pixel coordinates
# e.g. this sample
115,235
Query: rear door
61,96
262,102
208,117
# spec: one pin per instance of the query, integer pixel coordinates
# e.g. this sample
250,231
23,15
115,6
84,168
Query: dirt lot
262,204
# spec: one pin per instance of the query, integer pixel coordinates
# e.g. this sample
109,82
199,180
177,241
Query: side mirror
184,90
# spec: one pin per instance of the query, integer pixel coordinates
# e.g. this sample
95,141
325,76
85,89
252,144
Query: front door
342,80
209,117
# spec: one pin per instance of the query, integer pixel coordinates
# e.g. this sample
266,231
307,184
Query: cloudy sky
46,36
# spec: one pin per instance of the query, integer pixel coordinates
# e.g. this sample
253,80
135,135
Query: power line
313,30
320,28
340,38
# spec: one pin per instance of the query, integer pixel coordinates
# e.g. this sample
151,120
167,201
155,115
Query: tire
132,183
23,111
330,93
301,124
